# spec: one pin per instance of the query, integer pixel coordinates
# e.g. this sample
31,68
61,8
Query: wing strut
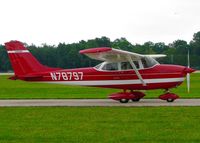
136,71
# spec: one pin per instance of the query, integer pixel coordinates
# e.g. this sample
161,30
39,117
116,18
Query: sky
69,21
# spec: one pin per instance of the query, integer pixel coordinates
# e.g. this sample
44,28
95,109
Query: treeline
67,55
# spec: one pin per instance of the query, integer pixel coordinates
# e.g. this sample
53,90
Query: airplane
131,72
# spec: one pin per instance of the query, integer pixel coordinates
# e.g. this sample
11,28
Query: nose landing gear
169,97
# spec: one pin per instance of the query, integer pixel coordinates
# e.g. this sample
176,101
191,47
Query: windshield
98,66
148,62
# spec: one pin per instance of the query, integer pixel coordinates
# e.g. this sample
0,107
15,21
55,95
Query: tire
123,100
170,100
136,100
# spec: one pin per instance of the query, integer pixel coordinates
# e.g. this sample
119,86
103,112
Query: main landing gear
169,97
124,97
135,96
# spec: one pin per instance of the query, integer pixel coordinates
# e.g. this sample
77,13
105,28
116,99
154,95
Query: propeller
188,74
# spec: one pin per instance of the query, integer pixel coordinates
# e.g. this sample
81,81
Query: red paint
95,50
188,70
24,63
168,96
121,95
138,94
127,95
14,45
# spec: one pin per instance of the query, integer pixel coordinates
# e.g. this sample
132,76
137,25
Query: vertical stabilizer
22,61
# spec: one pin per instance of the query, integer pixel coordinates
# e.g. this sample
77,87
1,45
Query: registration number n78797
66,75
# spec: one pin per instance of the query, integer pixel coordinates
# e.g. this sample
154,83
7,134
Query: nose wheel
170,100
169,97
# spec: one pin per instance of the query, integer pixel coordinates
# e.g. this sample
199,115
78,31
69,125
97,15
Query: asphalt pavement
95,102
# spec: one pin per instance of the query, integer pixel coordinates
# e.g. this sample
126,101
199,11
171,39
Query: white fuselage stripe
118,82
18,51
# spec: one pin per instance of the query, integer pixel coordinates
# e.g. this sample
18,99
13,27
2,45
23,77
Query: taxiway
95,102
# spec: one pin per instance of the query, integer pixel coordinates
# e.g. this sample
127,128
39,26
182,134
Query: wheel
170,100
136,99
123,100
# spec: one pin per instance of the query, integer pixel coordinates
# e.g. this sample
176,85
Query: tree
123,44
4,62
195,44
103,42
148,46
180,47
67,55
160,47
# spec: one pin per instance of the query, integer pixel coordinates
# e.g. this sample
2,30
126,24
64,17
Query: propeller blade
188,82
188,75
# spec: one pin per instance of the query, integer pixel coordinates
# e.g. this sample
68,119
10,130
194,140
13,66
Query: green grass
20,89
100,125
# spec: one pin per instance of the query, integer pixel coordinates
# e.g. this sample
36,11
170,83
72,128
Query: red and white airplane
120,69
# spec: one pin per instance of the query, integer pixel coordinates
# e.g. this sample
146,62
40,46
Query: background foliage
67,56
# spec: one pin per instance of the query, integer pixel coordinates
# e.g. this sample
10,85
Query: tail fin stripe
18,51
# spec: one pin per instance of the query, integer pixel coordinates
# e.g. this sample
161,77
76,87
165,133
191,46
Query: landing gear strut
169,97
124,97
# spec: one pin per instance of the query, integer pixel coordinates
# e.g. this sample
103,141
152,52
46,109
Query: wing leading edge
111,54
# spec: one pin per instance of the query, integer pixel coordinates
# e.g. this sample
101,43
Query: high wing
116,55
111,54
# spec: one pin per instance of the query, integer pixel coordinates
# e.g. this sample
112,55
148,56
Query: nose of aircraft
188,70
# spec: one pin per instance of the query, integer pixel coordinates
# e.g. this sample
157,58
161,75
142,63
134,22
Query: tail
22,61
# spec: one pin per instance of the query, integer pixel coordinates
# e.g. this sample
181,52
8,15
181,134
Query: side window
126,66
136,64
144,63
110,66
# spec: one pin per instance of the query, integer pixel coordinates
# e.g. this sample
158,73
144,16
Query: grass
19,89
95,124
100,124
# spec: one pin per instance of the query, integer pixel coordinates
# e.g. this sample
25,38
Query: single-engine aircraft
120,69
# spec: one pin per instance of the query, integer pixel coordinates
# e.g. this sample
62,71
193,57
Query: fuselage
159,76
120,69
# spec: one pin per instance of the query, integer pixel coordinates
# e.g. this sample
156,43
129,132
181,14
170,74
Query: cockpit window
136,64
148,62
110,66
98,66
126,66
